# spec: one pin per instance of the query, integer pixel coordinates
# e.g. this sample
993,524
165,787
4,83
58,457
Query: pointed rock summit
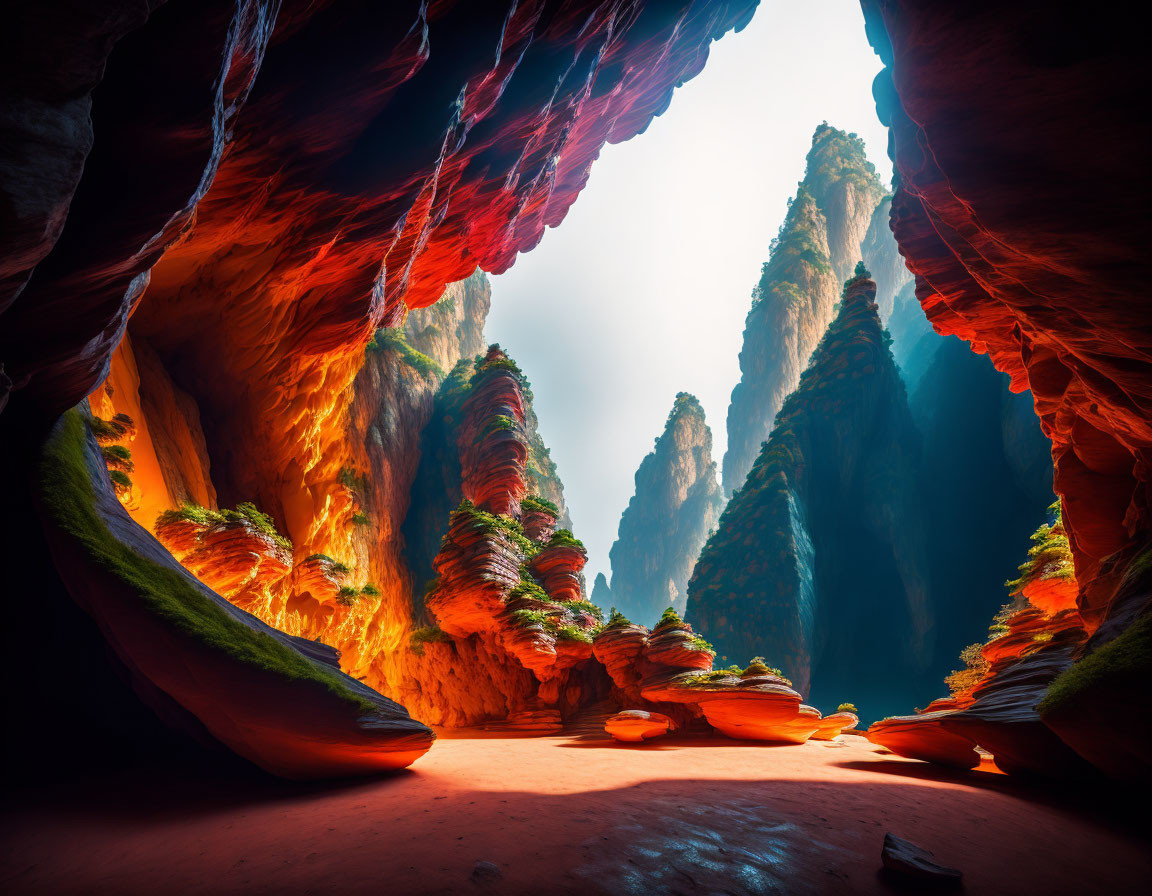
677,503
818,561
795,300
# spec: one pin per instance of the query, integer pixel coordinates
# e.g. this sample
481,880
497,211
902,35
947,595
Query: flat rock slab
908,863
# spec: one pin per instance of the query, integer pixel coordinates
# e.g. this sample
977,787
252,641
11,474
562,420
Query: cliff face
794,301
248,202
882,257
819,560
1044,276
676,505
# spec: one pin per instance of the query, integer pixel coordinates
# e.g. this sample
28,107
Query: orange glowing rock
493,440
233,557
320,577
1051,594
558,569
834,725
746,707
636,725
673,643
529,722
618,647
923,737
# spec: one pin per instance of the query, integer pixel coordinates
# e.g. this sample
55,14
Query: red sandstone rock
493,440
558,569
675,644
477,569
923,737
1047,278
538,722
754,707
538,525
619,648
636,725
834,725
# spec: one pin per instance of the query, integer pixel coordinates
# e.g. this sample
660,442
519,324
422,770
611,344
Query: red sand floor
564,815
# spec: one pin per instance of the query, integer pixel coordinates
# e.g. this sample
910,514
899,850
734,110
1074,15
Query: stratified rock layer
277,700
676,504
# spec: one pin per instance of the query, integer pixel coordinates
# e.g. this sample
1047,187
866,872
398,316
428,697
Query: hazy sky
642,291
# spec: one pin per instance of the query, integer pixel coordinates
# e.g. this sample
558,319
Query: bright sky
642,291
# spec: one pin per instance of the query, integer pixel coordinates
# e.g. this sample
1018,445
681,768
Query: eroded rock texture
794,302
1036,258
1033,257
676,505
819,561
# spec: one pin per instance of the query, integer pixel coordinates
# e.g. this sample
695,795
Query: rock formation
795,300
818,563
995,700
1044,276
251,191
881,256
675,507
635,725
276,700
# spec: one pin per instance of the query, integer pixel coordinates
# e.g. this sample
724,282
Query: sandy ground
567,815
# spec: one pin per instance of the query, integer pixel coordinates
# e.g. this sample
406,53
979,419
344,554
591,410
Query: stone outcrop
823,546
881,255
914,866
277,700
922,736
1039,277
995,702
795,300
635,725
676,505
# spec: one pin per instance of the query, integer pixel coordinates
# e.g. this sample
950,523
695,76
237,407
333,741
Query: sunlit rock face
795,300
677,503
819,560
1036,259
271,183
882,257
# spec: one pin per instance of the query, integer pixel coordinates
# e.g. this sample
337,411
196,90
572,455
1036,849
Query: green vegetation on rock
246,512
392,339
164,592
429,634
536,504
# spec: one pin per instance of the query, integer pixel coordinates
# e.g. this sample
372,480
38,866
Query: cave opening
299,479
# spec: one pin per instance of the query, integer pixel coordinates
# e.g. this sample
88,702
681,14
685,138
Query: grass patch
573,633
360,518
164,592
1121,666
246,512
536,504
564,538
392,339
848,707
334,565
496,524
429,634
